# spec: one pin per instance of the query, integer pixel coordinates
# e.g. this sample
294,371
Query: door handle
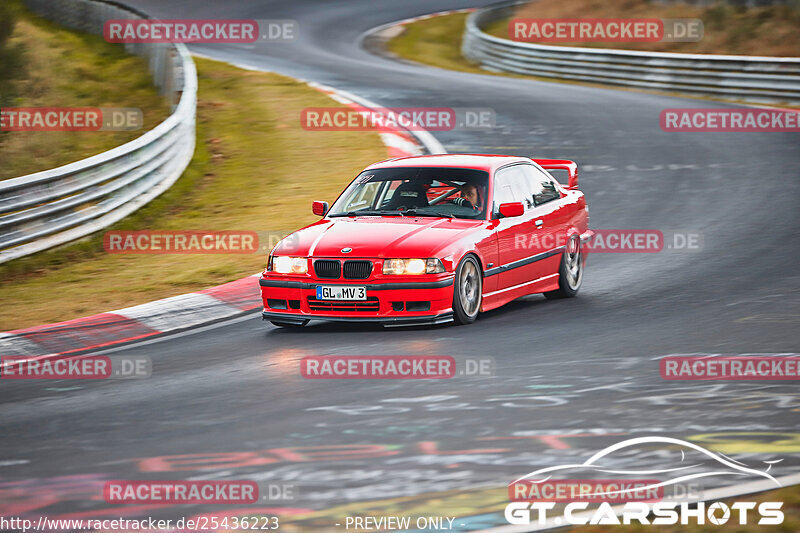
539,223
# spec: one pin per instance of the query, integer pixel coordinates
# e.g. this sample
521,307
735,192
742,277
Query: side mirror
319,208
511,209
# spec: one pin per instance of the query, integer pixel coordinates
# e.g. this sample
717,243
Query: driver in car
469,196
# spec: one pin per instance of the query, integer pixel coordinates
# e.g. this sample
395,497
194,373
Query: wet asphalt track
584,367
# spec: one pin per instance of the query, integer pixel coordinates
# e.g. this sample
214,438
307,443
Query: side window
512,185
549,192
522,186
503,191
544,187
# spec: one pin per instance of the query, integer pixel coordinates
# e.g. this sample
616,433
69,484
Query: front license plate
338,292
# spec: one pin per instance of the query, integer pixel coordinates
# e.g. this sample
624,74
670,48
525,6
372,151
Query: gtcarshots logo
645,501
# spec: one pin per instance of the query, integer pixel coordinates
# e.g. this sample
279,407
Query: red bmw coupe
432,239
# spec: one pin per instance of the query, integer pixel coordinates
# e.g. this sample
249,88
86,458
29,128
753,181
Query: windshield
420,191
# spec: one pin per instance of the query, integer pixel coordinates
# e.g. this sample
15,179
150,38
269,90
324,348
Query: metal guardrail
750,78
53,207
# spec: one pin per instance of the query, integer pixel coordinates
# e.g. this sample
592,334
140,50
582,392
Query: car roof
487,162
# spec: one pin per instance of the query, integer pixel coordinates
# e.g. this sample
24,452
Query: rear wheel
570,273
289,324
467,291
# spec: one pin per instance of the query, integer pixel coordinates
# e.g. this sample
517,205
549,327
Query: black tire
570,272
467,291
280,324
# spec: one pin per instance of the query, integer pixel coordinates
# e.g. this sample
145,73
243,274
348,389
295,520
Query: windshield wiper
365,213
429,213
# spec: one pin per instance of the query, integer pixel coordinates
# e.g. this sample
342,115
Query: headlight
289,265
412,266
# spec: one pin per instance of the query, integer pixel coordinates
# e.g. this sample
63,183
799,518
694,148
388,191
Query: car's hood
380,237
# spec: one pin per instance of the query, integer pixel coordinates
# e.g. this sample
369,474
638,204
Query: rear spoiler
562,164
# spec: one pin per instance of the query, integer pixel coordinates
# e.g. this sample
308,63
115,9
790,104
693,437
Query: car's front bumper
423,302
386,321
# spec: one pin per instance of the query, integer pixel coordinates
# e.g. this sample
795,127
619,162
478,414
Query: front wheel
467,291
570,273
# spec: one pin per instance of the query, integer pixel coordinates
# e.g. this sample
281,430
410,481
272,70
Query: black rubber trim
370,287
280,317
395,320
523,262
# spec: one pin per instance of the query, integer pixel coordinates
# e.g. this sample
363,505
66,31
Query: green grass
254,169
435,41
11,57
63,68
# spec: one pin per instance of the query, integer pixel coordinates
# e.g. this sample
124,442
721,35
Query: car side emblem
346,250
